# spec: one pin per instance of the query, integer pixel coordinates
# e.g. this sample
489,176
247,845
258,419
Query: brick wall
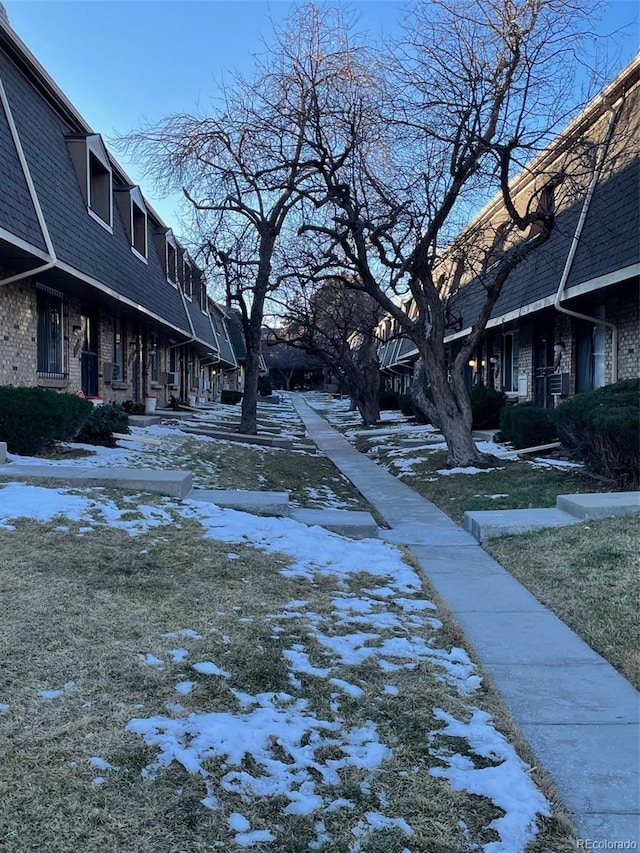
622,309
18,327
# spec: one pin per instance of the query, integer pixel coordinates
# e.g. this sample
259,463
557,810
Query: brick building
96,293
567,319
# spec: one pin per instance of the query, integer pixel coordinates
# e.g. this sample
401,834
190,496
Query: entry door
544,340
89,362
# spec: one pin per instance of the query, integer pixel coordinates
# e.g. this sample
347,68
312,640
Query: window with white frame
172,274
203,296
138,223
93,168
100,189
187,279
510,357
545,204
50,334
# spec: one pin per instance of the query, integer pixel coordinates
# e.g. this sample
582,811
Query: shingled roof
608,249
225,348
609,243
87,254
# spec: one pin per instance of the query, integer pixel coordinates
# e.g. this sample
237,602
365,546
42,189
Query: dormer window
93,169
187,279
134,216
167,249
138,226
545,204
172,274
99,189
203,296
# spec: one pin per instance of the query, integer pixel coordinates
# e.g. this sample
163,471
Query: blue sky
121,62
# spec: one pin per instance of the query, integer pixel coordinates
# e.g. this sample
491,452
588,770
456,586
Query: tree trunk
453,411
418,393
363,380
370,410
249,414
367,400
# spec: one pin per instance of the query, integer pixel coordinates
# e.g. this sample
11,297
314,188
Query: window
510,355
187,279
138,229
495,251
99,189
134,218
50,334
91,162
590,353
171,263
544,204
118,350
203,296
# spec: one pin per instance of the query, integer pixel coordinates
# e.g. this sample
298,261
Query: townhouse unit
567,319
97,295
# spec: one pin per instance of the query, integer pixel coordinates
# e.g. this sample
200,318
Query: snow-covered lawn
181,677
219,464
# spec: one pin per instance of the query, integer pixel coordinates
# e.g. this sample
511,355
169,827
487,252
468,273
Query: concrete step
165,482
488,524
258,503
262,440
591,507
273,400
429,438
355,524
433,531
145,420
484,434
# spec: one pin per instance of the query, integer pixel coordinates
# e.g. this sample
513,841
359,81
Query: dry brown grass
588,575
88,609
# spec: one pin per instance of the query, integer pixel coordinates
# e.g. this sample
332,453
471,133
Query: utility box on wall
559,384
523,386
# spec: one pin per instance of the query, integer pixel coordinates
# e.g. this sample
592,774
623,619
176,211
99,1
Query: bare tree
473,91
242,167
337,325
284,359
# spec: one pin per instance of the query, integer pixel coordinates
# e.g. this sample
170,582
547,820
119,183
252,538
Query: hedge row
486,405
103,421
32,418
527,425
601,428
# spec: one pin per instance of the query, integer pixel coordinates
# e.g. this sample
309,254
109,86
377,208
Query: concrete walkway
579,715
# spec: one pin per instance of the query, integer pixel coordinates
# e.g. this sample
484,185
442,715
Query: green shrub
527,425
388,401
230,397
601,428
131,408
265,388
486,405
31,418
103,421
